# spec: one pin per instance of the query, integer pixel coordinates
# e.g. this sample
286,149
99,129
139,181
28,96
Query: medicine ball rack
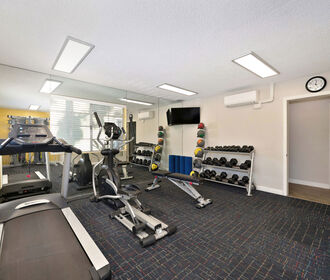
143,146
251,155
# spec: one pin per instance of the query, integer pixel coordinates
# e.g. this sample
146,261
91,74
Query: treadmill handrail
10,147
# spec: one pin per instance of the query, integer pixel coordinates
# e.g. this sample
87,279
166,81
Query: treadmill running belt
32,250
22,177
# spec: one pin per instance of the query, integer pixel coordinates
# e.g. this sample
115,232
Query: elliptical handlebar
123,141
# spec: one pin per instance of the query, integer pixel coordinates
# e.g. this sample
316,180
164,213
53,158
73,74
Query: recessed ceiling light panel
177,89
135,101
34,107
49,86
73,52
256,65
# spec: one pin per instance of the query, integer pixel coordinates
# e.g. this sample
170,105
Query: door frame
286,102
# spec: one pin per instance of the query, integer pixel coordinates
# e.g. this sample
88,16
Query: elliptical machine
129,210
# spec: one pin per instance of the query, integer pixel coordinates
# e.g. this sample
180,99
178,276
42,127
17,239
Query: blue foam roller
188,165
182,165
171,163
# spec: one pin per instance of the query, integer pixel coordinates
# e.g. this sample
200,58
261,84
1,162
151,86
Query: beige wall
309,142
262,128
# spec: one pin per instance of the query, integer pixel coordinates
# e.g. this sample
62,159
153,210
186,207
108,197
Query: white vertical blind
72,119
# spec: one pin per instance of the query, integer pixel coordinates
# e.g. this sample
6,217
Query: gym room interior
162,139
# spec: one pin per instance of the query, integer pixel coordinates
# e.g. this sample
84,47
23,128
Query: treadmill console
31,134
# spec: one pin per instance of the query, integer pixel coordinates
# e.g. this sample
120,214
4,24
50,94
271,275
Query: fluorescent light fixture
49,86
135,101
34,107
177,89
256,65
72,53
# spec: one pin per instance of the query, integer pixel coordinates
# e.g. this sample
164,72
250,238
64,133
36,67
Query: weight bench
123,165
184,182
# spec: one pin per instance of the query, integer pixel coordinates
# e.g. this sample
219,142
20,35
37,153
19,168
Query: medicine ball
154,167
197,163
194,174
160,141
157,157
201,133
198,152
160,128
200,142
201,126
161,134
158,149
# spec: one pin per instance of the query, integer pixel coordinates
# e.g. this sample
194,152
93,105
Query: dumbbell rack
145,146
248,172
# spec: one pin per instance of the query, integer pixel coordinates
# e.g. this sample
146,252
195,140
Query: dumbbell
243,181
157,157
223,176
149,161
209,161
233,179
216,161
213,173
139,152
231,163
251,148
133,160
207,148
246,165
202,175
145,161
207,174
223,161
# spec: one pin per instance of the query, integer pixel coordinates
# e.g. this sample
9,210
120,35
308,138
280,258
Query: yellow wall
4,126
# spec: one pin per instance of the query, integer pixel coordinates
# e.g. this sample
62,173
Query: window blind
72,119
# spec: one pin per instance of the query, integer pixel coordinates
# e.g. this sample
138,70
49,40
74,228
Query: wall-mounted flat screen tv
187,115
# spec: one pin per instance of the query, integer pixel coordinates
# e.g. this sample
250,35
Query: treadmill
40,236
22,185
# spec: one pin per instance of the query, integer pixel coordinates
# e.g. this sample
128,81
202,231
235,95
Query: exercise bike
123,198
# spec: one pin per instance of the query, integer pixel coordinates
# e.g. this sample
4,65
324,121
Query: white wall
309,142
262,128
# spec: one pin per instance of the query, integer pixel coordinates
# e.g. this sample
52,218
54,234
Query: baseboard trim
309,183
270,190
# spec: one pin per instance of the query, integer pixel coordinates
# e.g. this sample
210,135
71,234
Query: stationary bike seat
130,190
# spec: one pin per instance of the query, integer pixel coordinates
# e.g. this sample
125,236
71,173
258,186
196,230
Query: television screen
188,115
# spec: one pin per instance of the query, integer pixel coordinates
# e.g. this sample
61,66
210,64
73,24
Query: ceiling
187,43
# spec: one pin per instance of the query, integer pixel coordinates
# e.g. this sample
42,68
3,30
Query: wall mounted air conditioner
245,98
146,115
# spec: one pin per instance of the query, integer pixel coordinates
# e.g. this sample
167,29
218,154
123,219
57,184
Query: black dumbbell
233,162
243,181
204,161
213,173
139,152
133,160
248,163
149,162
215,161
223,175
158,157
145,161
233,179
202,175
251,148
207,148
217,178
222,161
